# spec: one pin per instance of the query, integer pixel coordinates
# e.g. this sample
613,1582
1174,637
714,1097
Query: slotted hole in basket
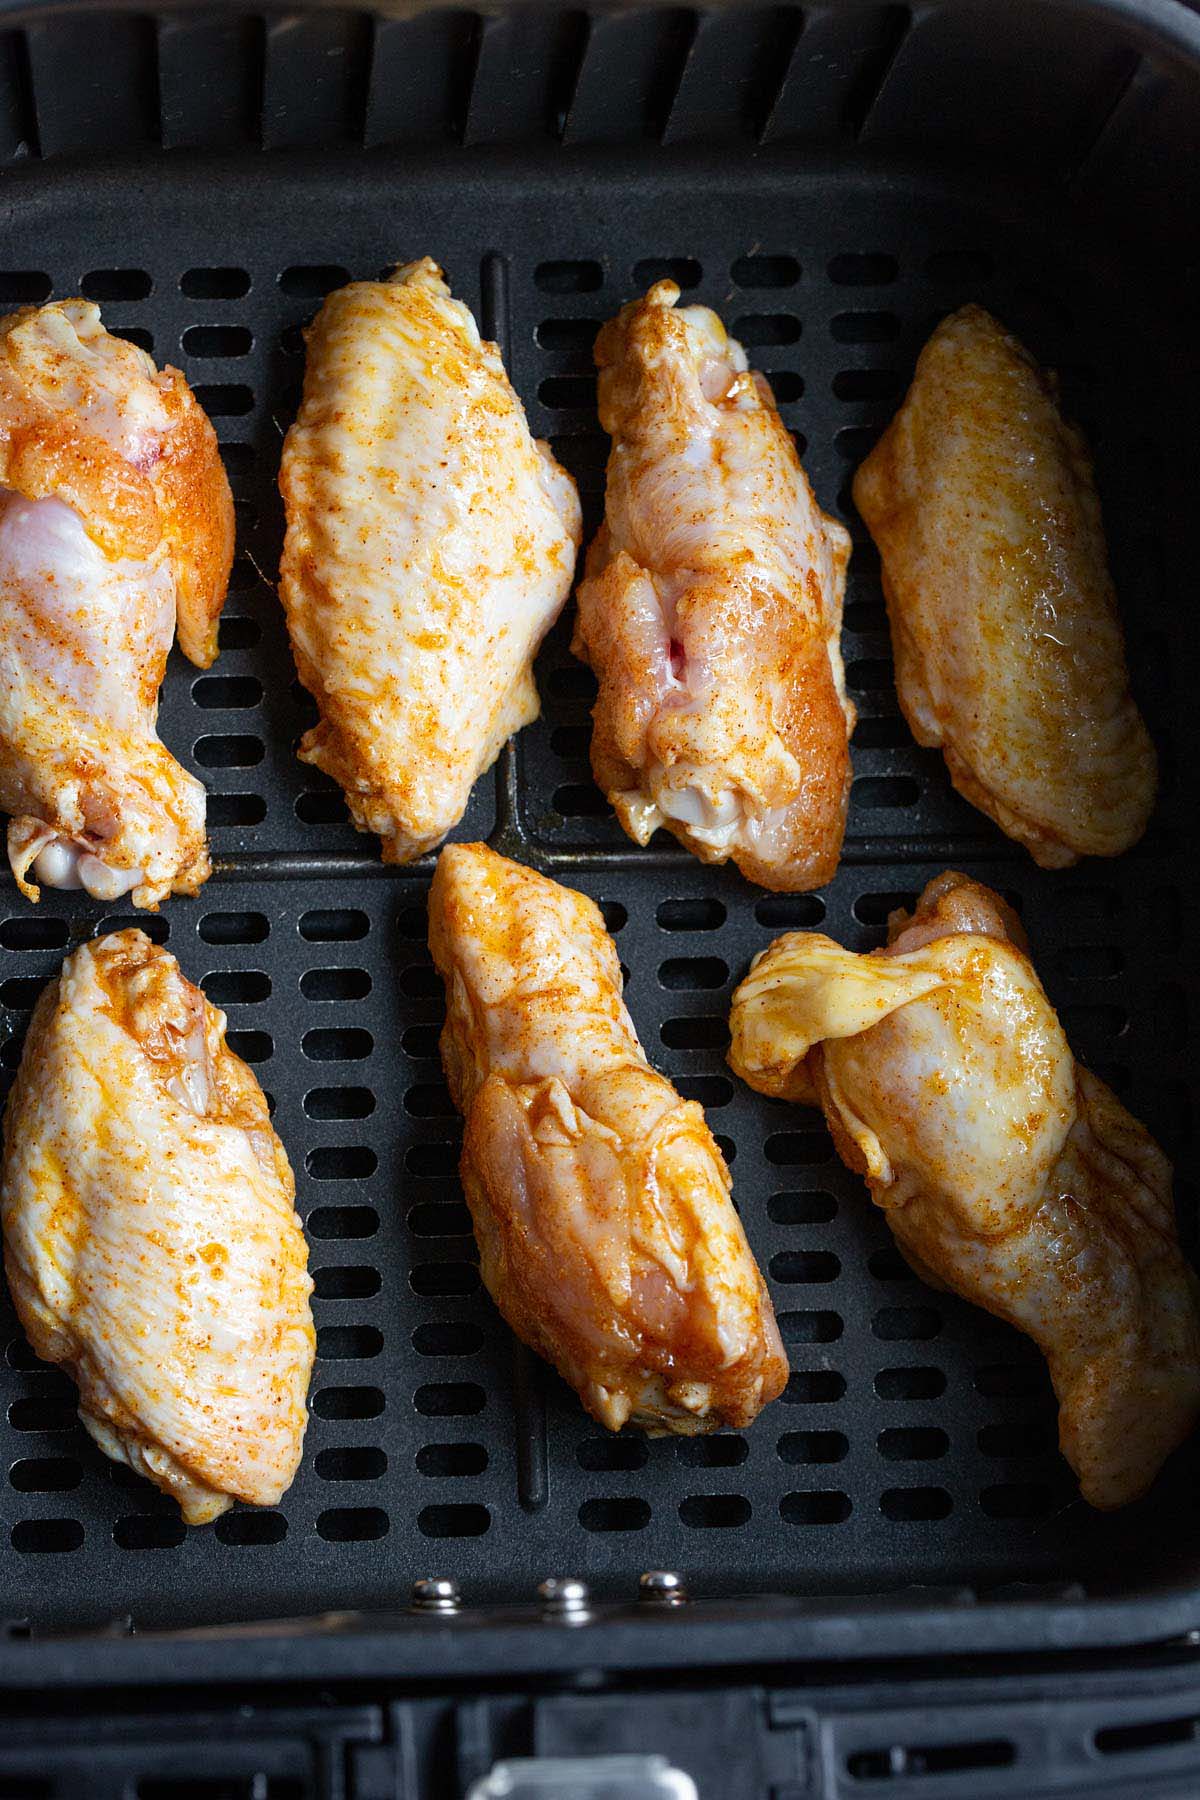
913,1443
20,991
448,1521
432,1161
704,1031
757,329
348,1402
814,1387
227,692
46,1537
24,287
626,1513
876,793
339,1103
910,1505
1017,1438
349,1343
116,284
237,987
805,1266
312,281
1016,1500
215,284
712,1091
798,1148
225,399
45,1474
761,271
611,1455
888,1264
714,1512
236,809
354,1462
1011,1381
864,327
341,1162
685,271
420,1041
135,334
335,984
789,912
804,1208
696,914
452,1462
566,393
429,1100
439,1218
574,336
239,632
817,1326
866,384
321,806
904,1324
579,800
149,1531
342,1222
352,1524
421,981
447,1337
217,340
28,932
346,1281
441,1280
914,1382
862,269
43,1412
251,1046
813,1447
344,1043
682,973
723,1451
580,276
821,1506
449,1399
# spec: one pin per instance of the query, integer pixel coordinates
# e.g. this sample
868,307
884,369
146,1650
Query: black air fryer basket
834,180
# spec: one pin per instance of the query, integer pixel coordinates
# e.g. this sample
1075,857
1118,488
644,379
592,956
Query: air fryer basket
834,183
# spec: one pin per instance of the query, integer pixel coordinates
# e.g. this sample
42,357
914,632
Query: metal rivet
436,1595
662,1587
564,1597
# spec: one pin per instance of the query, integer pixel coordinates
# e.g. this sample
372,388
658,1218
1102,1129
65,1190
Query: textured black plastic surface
916,1441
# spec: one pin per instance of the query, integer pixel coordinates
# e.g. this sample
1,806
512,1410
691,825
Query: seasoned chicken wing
430,546
150,1239
1008,1173
1008,646
712,608
600,1200
116,529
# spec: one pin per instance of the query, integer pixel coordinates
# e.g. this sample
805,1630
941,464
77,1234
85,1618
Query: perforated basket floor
916,1440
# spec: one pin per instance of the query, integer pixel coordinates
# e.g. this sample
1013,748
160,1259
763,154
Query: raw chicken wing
150,1240
712,609
430,546
1007,642
116,529
600,1200
1008,1173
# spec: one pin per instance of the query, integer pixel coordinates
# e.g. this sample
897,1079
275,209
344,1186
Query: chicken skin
1008,1173
116,531
1008,647
712,608
150,1240
430,546
600,1200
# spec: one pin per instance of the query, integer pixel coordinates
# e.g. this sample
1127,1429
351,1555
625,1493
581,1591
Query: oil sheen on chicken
430,546
712,608
1008,1173
116,530
1007,641
151,1243
599,1198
